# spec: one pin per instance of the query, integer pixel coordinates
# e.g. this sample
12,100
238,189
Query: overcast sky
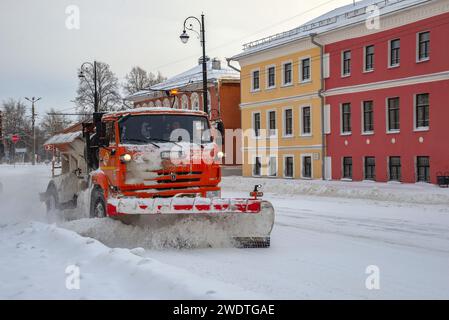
39,56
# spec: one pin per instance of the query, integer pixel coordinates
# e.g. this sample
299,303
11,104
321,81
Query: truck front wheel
98,204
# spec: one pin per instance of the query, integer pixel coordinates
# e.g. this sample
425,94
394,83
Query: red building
387,97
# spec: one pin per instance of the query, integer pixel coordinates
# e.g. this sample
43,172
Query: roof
334,19
63,138
190,77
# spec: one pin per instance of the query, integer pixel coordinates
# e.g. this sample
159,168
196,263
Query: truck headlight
125,158
220,155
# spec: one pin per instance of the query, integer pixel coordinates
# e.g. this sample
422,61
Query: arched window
176,104
195,101
185,102
158,104
151,105
145,105
167,103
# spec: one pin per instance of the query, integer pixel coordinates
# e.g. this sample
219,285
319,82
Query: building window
395,52
287,73
422,111
272,123
423,46
423,169
151,104
347,168
369,58
257,169
307,167
288,122
256,124
393,114
305,70
185,102
158,104
273,167
195,101
346,118
370,168
256,80
306,121
288,171
271,77
368,117
346,63
395,168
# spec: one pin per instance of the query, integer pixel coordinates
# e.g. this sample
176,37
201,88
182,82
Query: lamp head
184,37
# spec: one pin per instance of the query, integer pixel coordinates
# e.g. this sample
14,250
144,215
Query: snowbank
38,255
395,192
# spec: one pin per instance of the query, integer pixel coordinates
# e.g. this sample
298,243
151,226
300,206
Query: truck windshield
150,129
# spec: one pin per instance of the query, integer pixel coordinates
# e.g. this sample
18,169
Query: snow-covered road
321,248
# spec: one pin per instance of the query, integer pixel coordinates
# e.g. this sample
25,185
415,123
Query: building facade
387,95
281,111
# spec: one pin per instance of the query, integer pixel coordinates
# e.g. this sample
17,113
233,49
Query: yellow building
282,108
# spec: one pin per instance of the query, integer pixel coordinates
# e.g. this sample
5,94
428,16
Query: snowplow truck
157,165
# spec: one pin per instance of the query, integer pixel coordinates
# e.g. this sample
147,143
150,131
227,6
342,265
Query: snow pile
412,193
104,273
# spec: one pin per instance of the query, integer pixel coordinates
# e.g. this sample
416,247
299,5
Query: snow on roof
155,110
334,19
63,138
190,77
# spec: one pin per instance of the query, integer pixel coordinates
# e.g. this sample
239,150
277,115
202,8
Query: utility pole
33,121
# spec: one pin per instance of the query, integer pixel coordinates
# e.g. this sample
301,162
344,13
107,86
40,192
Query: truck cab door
108,155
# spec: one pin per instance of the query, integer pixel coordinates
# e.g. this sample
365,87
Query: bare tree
138,79
53,123
107,86
16,122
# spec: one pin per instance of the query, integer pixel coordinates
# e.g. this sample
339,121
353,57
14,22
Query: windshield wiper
143,141
165,140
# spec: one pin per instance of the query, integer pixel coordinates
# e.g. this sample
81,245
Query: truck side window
110,132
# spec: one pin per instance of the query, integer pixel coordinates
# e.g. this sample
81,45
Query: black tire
97,204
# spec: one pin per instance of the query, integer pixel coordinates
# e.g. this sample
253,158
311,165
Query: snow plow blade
248,222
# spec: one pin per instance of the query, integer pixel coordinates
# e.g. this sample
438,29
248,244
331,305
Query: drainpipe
320,94
231,66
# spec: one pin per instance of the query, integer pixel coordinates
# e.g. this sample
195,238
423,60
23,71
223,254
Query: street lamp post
81,75
33,121
185,38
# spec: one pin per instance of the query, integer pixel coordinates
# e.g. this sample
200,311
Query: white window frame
283,74
300,70
343,75
364,59
303,155
326,64
390,66
387,115
276,174
284,158
252,80
415,128
267,86
284,127
301,124
253,122
327,119
268,123
417,47
362,110
341,120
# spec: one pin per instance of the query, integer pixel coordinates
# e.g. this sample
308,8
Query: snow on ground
326,235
